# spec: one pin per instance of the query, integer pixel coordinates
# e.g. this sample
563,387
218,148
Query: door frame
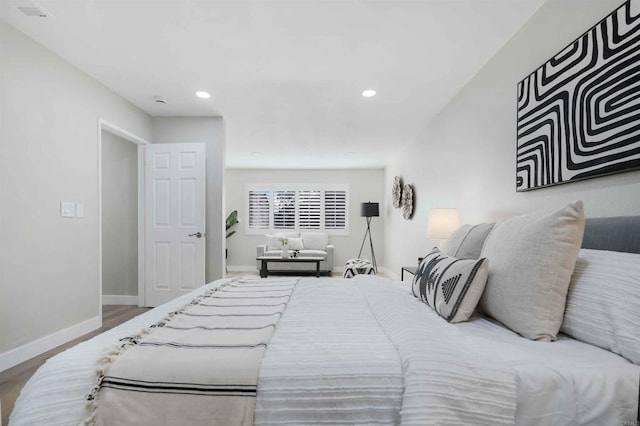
104,125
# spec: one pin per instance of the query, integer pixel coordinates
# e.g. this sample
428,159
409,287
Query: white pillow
273,242
603,303
295,244
531,259
451,286
289,235
315,241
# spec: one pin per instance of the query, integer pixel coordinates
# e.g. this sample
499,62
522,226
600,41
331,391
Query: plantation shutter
335,209
284,209
259,209
309,209
296,207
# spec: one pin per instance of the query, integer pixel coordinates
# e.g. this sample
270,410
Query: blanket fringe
113,351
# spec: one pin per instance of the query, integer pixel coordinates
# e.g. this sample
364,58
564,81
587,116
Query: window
335,209
309,209
258,209
284,209
274,208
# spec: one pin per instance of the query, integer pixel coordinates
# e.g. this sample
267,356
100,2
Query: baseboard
389,274
25,352
238,268
119,299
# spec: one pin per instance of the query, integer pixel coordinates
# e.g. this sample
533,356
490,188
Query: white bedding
313,373
565,382
341,350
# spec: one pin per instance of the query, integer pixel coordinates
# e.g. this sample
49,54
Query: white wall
49,153
119,216
210,131
465,157
365,185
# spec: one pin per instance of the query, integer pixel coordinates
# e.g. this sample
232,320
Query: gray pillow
451,286
467,241
531,259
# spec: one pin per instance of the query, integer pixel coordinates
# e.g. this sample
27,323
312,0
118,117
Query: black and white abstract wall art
579,113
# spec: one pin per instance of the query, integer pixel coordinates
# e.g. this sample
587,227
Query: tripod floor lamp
369,210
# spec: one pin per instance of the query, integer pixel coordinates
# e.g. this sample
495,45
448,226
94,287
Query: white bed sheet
564,382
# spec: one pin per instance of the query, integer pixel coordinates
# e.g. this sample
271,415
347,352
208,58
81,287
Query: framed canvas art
579,113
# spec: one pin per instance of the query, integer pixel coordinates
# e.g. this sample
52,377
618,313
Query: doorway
121,213
119,220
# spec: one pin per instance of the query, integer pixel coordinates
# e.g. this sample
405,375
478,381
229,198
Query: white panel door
175,222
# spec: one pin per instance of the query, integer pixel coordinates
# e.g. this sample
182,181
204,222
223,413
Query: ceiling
287,76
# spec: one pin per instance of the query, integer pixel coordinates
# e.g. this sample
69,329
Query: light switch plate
67,209
79,210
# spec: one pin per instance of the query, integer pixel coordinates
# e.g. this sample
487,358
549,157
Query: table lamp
442,223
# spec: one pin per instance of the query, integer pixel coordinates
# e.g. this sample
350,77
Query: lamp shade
369,210
442,223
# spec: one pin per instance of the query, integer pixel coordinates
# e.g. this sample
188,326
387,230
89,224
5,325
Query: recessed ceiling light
368,93
202,94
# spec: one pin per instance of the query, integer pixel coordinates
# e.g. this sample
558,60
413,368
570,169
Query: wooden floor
13,379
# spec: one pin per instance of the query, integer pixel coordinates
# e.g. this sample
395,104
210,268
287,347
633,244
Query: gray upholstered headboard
613,233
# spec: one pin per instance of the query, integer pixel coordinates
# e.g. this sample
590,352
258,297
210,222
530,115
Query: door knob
197,235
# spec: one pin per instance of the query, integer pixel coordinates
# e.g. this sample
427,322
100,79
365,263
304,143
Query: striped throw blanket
198,366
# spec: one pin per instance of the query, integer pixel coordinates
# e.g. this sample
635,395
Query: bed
366,351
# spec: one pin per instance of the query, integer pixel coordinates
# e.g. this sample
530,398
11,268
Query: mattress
351,352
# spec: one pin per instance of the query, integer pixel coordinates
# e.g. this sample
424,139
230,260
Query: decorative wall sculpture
579,113
407,201
396,192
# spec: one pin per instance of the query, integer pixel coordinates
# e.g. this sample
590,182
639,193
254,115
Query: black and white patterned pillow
451,286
